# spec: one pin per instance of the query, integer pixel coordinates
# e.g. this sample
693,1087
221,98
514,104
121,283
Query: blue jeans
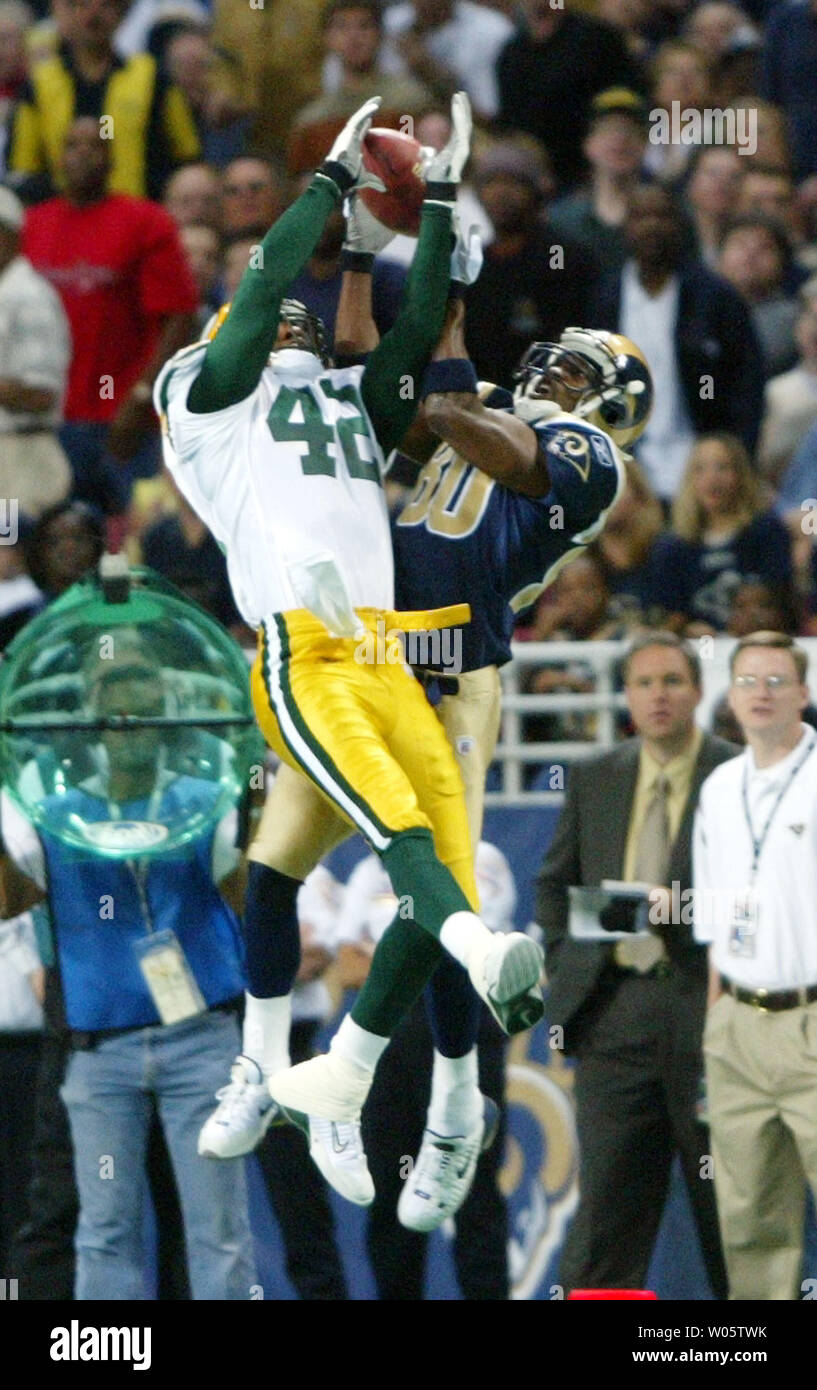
107,1095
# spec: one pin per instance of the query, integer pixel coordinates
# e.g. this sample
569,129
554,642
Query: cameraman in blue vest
150,962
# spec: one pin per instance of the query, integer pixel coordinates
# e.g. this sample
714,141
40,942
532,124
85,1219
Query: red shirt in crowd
120,269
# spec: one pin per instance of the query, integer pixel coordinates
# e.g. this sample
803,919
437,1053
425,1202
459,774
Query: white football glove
446,165
347,150
466,258
364,233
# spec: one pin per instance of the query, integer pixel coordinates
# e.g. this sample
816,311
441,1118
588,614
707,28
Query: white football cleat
244,1115
506,976
324,1088
337,1149
443,1174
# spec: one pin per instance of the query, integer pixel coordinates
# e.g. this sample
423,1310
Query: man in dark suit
633,1011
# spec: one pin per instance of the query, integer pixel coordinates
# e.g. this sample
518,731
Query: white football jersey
289,482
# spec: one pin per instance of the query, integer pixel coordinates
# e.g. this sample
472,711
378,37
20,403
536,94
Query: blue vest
100,907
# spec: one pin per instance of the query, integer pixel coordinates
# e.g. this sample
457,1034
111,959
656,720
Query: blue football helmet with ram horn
602,377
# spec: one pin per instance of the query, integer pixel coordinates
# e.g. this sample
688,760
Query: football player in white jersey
282,458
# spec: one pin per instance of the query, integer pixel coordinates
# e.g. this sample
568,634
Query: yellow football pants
349,716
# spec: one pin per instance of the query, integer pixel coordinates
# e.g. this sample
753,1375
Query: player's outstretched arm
495,441
237,355
396,365
356,333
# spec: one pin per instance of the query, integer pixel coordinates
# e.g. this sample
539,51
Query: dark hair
662,638
781,595
699,153
671,198
373,7
273,166
35,547
776,641
761,220
772,171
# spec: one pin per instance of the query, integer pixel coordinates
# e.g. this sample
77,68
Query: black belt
659,971
434,683
85,1041
772,1000
30,429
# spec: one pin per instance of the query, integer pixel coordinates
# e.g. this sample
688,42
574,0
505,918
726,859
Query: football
397,160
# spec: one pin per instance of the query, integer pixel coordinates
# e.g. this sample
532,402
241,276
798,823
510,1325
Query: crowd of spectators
146,148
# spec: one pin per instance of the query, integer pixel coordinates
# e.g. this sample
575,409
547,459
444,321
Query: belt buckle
760,994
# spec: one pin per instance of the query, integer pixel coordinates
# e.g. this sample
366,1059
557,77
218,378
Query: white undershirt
650,321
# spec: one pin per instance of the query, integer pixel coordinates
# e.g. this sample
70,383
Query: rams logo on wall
539,1176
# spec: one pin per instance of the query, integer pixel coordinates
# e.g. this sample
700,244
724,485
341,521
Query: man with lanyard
755,876
150,961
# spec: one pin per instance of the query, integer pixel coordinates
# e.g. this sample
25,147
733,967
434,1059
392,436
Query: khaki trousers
34,474
761,1073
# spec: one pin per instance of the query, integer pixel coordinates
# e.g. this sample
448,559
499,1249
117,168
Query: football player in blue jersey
516,488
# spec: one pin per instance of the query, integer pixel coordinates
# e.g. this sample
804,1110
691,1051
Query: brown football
396,159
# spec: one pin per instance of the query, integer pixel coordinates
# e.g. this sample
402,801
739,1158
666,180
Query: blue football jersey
463,537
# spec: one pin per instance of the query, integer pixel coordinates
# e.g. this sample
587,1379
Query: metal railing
515,755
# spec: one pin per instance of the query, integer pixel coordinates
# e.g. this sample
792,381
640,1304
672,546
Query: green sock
405,959
409,950
427,890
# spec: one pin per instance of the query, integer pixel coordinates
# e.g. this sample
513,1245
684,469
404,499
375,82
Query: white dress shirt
780,900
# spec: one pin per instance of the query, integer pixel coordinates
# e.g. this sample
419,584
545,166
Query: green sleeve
236,357
406,348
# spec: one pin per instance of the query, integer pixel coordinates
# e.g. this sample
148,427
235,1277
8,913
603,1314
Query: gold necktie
651,866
